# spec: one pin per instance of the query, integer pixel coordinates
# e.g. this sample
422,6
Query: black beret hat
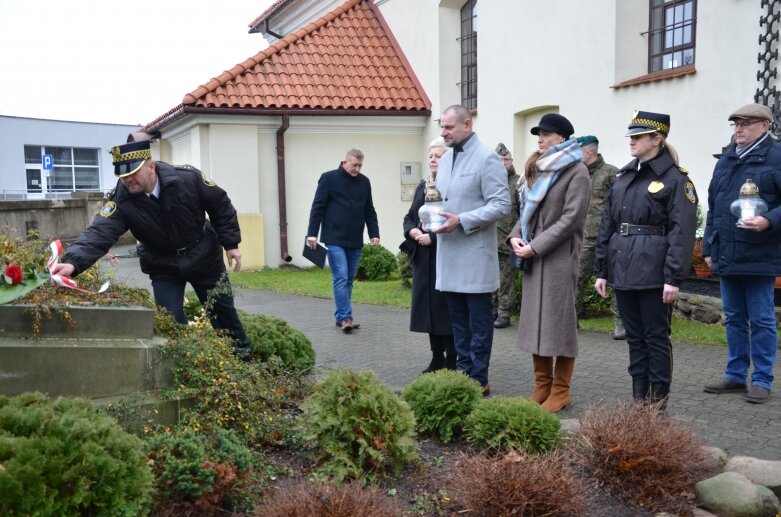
128,158
554,123
647,122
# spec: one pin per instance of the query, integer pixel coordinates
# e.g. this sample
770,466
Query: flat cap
587,139
757,111
502,150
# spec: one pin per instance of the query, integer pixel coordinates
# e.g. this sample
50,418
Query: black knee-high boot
437,354
450,352
640,389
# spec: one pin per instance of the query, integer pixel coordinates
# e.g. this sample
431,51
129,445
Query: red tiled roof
346,62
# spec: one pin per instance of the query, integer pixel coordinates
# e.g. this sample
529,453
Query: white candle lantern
748,204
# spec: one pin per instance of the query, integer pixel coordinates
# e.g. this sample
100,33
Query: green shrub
360,426
272,336
377,263
593,302
198,470
254,399
64,458
441,401
405,268
502,423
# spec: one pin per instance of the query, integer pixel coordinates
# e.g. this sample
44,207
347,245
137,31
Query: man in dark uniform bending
165,208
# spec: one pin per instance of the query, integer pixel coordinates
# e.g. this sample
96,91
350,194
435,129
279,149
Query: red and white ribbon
64,281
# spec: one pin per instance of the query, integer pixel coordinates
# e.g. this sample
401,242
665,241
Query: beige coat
548,325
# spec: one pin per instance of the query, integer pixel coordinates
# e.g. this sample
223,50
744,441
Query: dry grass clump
642,455
516,484
307,500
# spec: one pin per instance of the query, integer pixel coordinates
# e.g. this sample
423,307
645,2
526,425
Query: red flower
14,274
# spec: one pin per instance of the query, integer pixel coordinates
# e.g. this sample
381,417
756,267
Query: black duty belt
640,229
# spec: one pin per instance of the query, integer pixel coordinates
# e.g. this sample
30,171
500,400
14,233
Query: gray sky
117,62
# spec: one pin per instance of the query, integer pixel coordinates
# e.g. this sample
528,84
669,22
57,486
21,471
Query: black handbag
408,246
521,264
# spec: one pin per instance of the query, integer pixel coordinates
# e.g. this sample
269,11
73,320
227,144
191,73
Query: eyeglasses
744,123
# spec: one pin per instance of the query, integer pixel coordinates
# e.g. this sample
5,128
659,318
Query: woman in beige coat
554,192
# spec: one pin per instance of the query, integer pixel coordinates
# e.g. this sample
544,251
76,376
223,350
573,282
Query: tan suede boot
562,374
543,378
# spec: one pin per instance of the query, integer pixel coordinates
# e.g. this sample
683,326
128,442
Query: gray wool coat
476,190
548,325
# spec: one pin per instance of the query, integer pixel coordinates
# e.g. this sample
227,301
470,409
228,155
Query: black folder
316,256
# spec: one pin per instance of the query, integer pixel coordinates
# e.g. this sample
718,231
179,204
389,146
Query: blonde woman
429,312
644,250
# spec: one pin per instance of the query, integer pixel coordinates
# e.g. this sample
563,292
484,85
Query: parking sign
48,162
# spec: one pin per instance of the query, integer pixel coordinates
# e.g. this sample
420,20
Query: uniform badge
688,189
207,180
655,186
108,209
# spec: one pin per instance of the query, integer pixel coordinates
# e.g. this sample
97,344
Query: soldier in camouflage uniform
503,297
602,176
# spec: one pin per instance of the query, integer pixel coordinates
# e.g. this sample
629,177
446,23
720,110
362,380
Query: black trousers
169,293
647,322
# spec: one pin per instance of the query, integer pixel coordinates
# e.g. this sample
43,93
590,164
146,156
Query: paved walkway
385,345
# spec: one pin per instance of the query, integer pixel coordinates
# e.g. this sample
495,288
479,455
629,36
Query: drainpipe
281,188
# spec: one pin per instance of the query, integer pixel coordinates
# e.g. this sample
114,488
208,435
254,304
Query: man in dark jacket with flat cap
745,250
165,208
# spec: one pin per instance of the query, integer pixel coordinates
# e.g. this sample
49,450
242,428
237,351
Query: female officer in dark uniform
644,250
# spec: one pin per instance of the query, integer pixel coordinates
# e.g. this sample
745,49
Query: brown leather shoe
486,390
347,326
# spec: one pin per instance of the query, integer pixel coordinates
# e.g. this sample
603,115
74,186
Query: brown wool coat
548,325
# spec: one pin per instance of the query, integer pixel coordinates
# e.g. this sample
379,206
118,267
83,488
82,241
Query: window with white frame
468,42
74,168
671,34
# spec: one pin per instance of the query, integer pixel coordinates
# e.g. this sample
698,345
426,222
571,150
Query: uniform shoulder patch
108,209
207,180
691,194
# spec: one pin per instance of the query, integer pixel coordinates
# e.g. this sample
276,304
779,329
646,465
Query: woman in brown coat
554,192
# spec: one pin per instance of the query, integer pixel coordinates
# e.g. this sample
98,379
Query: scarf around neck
550,164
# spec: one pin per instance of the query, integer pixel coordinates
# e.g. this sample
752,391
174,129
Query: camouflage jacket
602,176
504,226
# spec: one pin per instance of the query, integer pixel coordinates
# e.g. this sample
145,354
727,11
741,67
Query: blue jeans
751,328
473,332
344,265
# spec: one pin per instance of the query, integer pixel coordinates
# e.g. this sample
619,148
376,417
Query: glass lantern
430,213
748,204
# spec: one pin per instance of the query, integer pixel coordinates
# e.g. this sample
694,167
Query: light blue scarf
550,164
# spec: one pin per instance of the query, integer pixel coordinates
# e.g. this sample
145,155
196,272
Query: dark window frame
660,27
468,42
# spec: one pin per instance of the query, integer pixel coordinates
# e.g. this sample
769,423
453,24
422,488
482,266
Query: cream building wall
240,154
565,56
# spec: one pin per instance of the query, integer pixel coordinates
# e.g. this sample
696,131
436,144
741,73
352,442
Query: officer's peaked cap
644,122
129,157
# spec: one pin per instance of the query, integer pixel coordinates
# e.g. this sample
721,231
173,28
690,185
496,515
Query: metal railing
23,194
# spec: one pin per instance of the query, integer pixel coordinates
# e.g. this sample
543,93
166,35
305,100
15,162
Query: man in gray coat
473,184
